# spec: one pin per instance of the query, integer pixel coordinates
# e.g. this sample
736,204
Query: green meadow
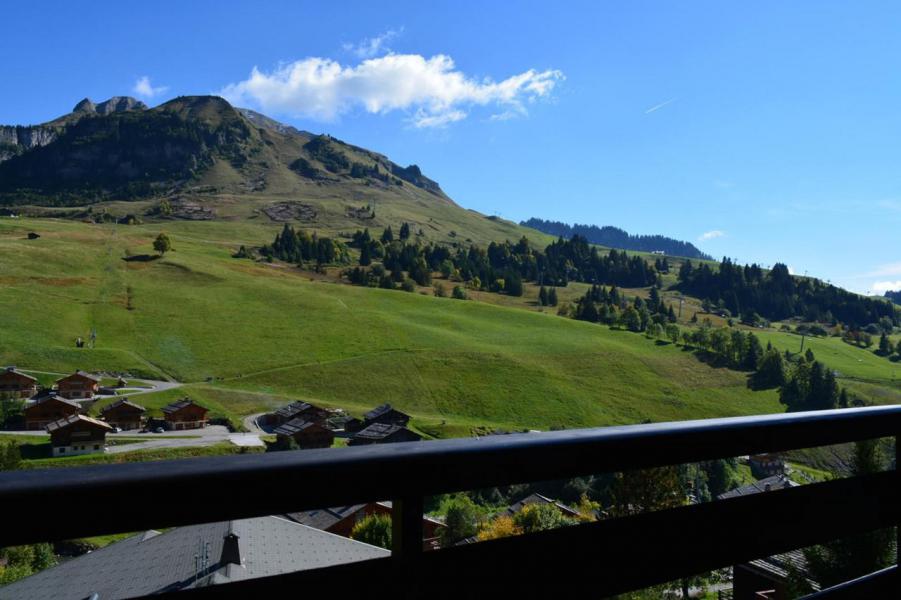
246,336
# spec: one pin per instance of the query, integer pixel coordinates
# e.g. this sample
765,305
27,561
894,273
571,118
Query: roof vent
231,551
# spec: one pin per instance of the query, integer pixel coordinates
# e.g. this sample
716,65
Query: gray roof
323,518
122,402
776,482
381,410
152,562
19,373
782,565
178,405
55,398
291,410
380,431
539,499
71,419
92,377
293,426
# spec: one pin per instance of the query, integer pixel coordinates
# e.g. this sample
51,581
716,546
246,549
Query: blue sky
764,131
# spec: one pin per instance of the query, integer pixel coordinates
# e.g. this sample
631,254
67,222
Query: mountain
894,296
615,237
121,149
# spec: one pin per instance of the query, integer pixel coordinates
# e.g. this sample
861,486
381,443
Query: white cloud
881,287
710,235
886,270
374,46
143,88
431,89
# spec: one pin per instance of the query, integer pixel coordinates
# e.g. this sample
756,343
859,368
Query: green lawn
249,336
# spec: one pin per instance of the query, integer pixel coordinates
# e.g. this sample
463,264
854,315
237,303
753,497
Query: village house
185,414
341,520
380,433
387,415
45,410
77,434
296,410
776,482
766,465
307,434
78,386
17,383
517,507
124,414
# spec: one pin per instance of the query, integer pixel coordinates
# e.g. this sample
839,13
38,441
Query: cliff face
16,139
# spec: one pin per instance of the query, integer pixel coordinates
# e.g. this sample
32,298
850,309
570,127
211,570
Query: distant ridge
894,296
615,237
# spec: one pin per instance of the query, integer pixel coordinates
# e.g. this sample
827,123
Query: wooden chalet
387,415
296,410
124,414
48,409
341,520
766,465
78,386
566,511
77,434
17,383
307,434
185,414
380,433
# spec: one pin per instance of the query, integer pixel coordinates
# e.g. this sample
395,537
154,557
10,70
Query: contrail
659,106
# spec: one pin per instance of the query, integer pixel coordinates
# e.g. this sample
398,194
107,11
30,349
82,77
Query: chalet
185,414
124,414
307,434
48,409
341,520
766,465
296,410
77,434
193,556
78,386
380,433
387,415
517,507
345,423
771,577
17,383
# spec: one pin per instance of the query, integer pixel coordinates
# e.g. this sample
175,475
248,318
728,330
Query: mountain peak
113,105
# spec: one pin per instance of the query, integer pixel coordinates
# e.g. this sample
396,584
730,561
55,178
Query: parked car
117,430
159,430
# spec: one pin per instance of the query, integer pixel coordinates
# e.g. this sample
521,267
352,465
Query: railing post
406,539
406,528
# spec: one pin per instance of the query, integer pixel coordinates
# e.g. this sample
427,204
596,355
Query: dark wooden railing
604,558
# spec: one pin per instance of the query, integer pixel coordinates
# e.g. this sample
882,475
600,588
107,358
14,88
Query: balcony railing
606,557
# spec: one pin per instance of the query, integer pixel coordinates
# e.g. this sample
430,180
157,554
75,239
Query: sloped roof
19,373
290,410
378,411
122,402
538,499
180,404
776,482
147,564
782,565
323,518
378,431
53,398
295,425
85,374
76,418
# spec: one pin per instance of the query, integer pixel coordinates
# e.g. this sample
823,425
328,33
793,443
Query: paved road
252,424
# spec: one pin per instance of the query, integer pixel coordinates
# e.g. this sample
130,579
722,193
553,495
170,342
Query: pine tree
552,301
365,255
387,235
885,346
542,297
671,314
404,231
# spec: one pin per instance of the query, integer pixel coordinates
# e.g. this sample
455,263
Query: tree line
777,295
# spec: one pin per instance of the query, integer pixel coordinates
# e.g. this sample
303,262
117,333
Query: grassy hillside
251,335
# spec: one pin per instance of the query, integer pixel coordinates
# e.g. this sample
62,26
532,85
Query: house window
96,446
